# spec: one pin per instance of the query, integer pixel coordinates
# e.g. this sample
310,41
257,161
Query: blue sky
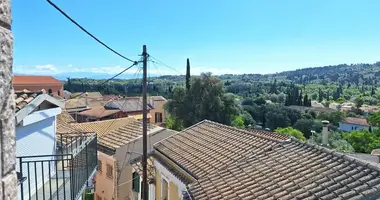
221,36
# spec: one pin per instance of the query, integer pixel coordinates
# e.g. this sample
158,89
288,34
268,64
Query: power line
155,66
162,63
88,33
110,79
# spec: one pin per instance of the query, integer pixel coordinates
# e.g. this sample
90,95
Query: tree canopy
204,100
292,132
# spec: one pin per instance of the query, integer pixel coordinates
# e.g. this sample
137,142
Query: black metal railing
63,175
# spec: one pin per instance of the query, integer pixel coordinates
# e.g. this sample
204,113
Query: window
136,182
164,189
100,166
59,93
109,171
158,117
50,91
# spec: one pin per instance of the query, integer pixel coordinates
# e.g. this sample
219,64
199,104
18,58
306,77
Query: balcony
64,175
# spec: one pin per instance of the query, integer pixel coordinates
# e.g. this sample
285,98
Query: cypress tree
300,99
306,101
188,75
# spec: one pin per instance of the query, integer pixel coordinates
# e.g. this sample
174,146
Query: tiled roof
66,129
24,97
65,117
104,126
36,80
271,135
90,95
157,98
126,105
96,103
98,112
131,130
355,120
208,146
111,97
75,103
231,163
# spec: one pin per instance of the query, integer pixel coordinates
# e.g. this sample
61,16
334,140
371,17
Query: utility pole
145,185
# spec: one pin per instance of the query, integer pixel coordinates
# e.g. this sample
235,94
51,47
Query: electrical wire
162,63
88,33
122,106
110,79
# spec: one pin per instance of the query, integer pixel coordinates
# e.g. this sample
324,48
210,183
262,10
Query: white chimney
325,133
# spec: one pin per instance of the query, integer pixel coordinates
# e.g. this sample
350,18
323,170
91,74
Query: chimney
325,133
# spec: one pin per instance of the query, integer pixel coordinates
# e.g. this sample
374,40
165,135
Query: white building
353,123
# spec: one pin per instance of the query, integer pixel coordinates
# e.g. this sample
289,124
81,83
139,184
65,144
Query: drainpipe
325,133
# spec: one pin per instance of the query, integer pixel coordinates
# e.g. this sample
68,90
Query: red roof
39,80
355,120
98,112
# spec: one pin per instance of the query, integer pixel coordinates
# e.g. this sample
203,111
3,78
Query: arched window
50,91
59,93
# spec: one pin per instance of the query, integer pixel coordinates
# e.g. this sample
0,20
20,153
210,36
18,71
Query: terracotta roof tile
65,117
40,80
231,163
75,103
24,97
355,120
98,112
126,105
104,126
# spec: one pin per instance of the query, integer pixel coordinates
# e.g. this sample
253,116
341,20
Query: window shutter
136,182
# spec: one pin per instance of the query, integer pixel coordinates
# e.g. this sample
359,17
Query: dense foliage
330,83
336,141
292,132
363,141
205,99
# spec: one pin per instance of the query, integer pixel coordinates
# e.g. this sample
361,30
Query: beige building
158,111
215,161
119,142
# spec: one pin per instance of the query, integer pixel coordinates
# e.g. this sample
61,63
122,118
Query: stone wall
8,187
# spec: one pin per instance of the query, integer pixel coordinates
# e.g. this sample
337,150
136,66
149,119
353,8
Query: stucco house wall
158,107
351,127
176,186
105,186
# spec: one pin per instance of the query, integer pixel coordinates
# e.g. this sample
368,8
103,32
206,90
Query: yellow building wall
158,186
158,107
104,186
173,192
173,189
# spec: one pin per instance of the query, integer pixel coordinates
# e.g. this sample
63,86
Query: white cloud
48,67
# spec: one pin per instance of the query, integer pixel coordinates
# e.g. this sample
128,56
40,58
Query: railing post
87,166
71,176
22,184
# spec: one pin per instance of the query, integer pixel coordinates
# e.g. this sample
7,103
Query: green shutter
136,182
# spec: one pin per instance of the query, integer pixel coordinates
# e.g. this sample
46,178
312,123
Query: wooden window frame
110,176
163,178
100,166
